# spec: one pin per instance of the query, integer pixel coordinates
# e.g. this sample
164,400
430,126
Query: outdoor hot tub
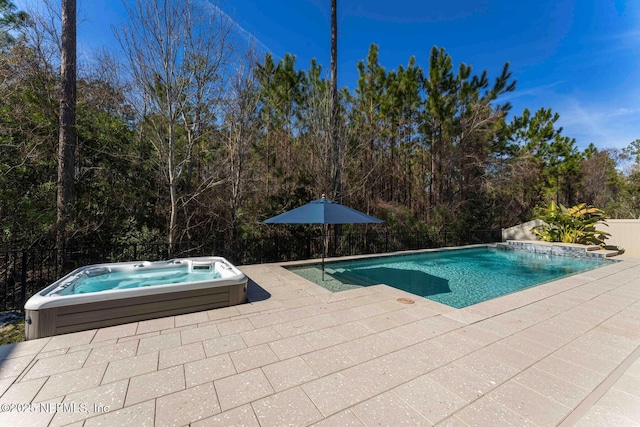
102,295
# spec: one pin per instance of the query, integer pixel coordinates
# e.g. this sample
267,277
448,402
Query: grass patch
12,333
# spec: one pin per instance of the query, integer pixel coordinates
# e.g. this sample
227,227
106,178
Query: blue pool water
458,278
87,283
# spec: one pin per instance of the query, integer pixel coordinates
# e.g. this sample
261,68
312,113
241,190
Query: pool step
606,251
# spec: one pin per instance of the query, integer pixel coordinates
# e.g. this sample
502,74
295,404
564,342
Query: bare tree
176,52
318,134
241,130
322,135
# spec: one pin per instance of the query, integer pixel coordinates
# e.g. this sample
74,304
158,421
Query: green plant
576,224
12,333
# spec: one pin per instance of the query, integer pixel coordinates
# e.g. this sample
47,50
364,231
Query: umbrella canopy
323,211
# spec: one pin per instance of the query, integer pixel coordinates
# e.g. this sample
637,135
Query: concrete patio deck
563,353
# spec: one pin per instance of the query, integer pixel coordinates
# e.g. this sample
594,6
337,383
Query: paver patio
563,353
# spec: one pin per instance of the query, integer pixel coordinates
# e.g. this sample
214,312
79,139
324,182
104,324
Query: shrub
576,224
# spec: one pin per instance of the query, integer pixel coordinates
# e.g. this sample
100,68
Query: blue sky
579,57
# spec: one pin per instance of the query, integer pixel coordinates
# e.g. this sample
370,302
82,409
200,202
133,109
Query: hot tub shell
48,314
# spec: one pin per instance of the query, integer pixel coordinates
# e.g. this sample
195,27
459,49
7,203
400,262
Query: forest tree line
186,134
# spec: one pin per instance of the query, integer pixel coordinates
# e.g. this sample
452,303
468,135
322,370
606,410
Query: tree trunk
337,175
67,137
173,189
432,176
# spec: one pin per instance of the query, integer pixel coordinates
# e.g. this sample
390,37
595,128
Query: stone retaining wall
562,249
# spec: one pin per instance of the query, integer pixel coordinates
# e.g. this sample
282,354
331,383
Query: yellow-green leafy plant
576,224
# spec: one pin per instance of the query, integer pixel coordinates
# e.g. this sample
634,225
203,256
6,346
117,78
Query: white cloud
245,34
605,126
532,91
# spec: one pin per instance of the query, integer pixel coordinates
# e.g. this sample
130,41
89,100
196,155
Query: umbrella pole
324,246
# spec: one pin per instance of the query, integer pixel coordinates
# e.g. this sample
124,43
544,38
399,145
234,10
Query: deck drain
405,300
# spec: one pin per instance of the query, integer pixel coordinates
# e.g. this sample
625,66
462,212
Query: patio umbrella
323,211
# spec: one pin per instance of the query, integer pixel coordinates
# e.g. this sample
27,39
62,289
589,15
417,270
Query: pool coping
560,353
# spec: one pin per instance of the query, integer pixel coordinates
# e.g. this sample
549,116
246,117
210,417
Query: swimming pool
458,277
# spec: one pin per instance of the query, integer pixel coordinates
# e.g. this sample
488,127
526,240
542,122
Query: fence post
23,279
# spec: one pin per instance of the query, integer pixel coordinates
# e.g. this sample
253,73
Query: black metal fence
24,272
